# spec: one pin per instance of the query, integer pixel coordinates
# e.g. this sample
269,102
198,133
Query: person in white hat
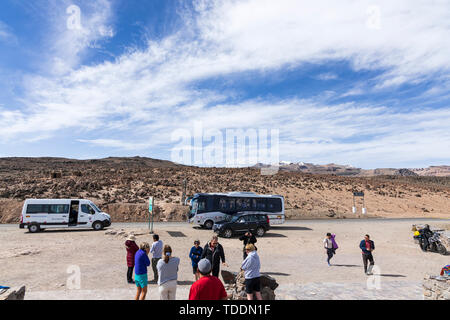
132,248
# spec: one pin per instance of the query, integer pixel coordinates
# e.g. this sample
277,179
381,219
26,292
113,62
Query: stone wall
436,288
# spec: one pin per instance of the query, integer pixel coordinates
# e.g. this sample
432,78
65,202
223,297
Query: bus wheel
228,233
33,228
97,225
208,224
260,232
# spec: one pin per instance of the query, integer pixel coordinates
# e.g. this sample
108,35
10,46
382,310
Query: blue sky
365,83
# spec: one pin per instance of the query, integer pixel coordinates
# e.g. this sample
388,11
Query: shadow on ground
62,230
393,275
276,274
290,228
274,235
347,265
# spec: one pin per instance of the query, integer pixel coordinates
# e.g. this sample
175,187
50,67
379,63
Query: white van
40,214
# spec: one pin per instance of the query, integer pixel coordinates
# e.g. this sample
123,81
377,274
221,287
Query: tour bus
208,208
40,214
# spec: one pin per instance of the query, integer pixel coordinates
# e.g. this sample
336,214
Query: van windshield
95,207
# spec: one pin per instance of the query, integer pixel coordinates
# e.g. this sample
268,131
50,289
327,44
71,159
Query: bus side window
222,204
231,204
239,204
261,204
274,205
254,205
210,204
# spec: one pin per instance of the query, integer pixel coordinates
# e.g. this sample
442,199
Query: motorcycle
431,242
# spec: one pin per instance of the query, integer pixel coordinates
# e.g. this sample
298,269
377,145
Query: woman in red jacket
132,248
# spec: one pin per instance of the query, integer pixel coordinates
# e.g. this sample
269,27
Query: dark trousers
130,274
330,253
215,271
368,257
155,271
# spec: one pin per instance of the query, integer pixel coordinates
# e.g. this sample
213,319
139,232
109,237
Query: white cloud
327,76
145,95
6,34
68,45
111,143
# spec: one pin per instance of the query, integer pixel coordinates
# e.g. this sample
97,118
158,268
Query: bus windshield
194,206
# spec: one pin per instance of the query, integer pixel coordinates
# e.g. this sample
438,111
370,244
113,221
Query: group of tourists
164,265
366,245
205,262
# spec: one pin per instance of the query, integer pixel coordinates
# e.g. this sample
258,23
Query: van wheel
97,225
33,228
208,224
228,233
260,232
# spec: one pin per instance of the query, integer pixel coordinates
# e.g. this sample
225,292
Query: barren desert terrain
121,187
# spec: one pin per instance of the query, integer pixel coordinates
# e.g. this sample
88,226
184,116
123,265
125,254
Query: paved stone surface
387,290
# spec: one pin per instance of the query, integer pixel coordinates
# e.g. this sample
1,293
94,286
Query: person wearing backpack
329,248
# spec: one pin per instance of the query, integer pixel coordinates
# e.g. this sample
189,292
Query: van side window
85,208
37,208
58,208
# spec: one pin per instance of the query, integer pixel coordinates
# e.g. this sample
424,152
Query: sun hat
204,266
131,237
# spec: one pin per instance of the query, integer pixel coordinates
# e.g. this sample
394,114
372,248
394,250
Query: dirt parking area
292,253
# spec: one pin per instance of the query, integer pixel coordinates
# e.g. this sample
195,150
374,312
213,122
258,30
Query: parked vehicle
208,208
430,241
257,224
40,214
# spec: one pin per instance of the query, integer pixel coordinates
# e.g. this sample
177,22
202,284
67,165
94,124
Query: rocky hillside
347,170
121,186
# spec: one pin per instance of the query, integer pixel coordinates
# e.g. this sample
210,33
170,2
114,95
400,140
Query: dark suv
258,224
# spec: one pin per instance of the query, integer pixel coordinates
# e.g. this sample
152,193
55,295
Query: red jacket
132,248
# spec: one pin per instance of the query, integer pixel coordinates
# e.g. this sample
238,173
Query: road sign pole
150,212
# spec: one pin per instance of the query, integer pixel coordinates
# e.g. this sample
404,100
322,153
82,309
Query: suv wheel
260,231
33,228
209,224
228,233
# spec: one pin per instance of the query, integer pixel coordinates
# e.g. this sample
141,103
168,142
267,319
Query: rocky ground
121,187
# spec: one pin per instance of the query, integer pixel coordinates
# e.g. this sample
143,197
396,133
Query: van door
73,214
86,216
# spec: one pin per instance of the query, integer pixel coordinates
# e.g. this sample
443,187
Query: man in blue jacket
367,246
